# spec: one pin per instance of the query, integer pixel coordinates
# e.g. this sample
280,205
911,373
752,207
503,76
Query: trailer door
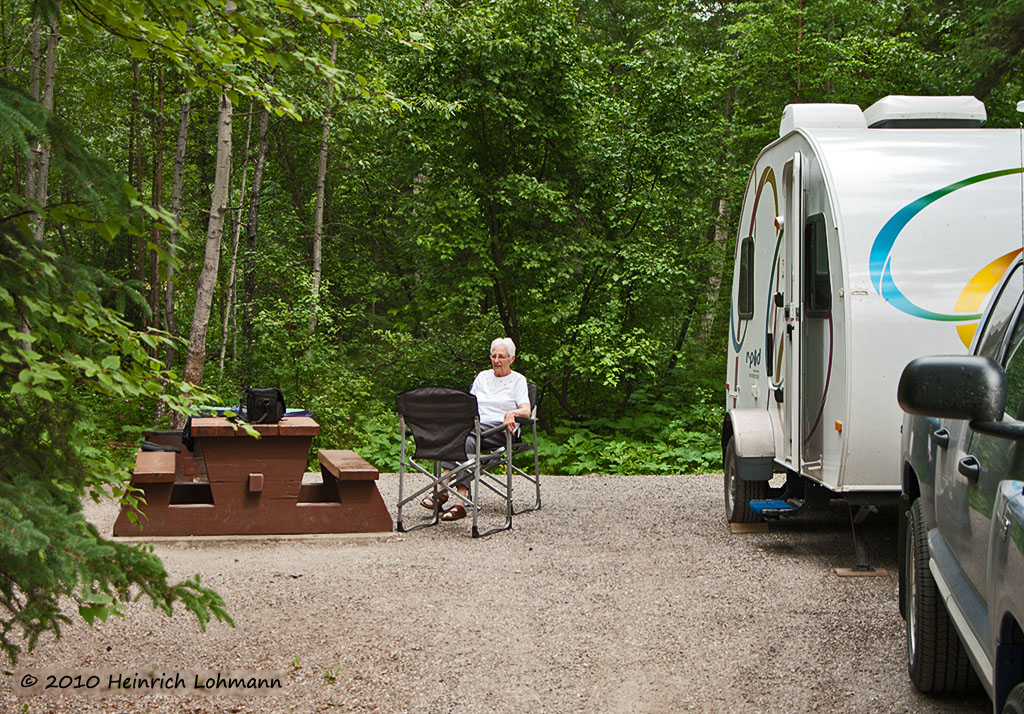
816,337
789,394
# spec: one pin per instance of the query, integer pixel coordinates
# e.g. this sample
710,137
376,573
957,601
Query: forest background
345,201
564,173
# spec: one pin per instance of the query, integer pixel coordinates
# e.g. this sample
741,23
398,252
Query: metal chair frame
492,470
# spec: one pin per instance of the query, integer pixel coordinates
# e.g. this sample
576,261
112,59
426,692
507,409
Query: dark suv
962,562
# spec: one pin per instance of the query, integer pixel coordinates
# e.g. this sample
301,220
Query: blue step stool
771,508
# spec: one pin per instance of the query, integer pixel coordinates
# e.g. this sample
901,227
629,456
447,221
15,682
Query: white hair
505,342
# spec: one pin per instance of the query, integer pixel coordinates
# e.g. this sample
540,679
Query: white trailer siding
920,225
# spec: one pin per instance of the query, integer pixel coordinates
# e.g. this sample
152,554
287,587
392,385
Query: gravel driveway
624,594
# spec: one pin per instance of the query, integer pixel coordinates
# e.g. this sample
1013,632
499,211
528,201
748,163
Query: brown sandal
454,513
428,502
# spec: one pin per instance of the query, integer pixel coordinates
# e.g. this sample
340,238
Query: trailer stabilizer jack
863,567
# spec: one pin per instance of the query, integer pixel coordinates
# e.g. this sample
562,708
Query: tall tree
195,360
44,62
318,214
231,296
170,323
157,133
252,240
135,172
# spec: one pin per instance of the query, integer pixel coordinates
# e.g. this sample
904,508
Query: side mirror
961,387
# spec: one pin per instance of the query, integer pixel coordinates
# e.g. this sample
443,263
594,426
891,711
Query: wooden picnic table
255,486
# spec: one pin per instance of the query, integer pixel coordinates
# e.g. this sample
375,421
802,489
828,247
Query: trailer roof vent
821,116
901,112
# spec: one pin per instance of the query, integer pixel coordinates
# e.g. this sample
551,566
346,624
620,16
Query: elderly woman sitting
501,396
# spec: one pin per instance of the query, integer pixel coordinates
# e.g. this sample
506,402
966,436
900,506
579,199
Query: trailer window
745,298
817,286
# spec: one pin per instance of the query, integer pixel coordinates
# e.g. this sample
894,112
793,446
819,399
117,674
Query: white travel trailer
866,239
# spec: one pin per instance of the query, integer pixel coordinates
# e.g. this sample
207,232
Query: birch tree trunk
170,323
716,270
39,163
318,217
135,150
35,58
232,295
719,236
251,231
158,194
37,171
195,361
44,154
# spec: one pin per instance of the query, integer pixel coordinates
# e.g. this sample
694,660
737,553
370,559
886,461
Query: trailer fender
753,441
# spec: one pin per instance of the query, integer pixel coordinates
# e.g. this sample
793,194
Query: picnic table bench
255,486
154,467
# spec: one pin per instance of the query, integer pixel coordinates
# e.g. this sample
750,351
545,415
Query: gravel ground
624,594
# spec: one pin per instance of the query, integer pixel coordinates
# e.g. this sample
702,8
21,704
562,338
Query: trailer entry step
772,508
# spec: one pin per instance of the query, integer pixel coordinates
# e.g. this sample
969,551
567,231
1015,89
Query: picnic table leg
158,499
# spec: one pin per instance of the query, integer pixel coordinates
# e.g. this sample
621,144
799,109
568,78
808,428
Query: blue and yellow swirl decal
977,290
738,327
968,305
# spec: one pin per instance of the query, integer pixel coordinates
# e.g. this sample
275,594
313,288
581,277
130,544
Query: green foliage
662,448
69,353
65,355
541,211
237,46
675,436
576,201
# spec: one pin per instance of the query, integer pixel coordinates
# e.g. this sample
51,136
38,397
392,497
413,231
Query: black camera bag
263,405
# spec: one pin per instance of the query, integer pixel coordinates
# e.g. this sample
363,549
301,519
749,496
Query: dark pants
487,444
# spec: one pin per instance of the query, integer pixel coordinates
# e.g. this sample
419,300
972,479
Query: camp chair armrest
499,427
492,430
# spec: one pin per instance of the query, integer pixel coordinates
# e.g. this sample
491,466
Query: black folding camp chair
438,420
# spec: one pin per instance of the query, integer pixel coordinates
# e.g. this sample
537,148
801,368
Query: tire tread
744,491
941,665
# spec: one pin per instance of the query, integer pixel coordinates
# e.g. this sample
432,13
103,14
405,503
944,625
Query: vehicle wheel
901,557
1015,702
936,659
739,493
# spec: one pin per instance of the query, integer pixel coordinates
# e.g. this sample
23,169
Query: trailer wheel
739,493
936,659
1015,702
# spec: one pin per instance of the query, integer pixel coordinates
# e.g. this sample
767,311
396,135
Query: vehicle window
1015,373
745,298
993,331
817,286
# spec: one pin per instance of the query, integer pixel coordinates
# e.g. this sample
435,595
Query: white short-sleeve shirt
497,395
